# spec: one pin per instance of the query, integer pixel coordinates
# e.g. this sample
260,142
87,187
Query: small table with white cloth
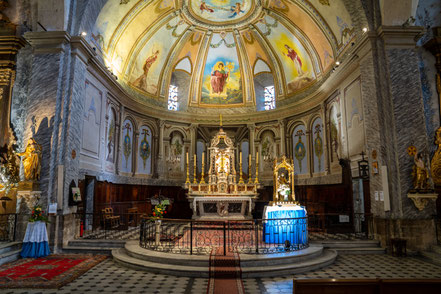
35,242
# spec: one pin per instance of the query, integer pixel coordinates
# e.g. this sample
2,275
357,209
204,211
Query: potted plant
156,216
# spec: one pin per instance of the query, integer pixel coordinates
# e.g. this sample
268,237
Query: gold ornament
411,150
436,159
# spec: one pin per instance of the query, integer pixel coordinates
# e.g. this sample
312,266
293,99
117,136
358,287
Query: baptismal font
222,196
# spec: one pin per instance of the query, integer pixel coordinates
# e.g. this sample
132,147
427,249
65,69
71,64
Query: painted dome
220,53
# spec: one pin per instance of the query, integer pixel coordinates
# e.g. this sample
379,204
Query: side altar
223,196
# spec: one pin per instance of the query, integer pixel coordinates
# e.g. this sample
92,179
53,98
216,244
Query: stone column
135,153
325,137
161,164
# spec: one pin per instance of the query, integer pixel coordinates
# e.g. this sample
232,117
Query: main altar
223,196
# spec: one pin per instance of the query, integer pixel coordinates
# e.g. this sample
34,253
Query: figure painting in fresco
141,82
219,78
292,54
205,7
236,10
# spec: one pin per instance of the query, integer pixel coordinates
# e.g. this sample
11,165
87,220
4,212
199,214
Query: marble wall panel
127,146
354,118
300,150
318,143
145,145
92,121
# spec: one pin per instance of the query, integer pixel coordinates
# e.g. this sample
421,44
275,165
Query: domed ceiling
220,53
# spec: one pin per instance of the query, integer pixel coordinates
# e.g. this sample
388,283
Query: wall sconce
363,167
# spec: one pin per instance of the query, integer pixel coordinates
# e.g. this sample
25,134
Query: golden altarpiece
223,196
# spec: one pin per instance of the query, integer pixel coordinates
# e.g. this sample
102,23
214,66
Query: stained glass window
270,98
173,98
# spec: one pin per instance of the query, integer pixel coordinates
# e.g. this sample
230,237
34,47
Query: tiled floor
109,277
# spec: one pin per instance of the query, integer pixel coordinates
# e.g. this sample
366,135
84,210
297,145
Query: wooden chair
109,219
133,216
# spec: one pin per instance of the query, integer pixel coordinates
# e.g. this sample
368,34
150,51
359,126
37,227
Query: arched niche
127,146
261,81
318,143
145,151
245,148
334,131
175,155
300,150
268,152
200,149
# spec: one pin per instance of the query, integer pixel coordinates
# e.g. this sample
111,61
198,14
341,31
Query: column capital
399,37
48,42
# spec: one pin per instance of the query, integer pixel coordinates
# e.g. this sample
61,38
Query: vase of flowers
38,215
156,216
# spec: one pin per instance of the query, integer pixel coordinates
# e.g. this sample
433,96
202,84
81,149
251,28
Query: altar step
252,265
9,251
433,256
93,246
352,246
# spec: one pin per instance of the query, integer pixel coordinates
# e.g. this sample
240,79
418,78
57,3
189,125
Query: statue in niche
436,159
420,172
32,160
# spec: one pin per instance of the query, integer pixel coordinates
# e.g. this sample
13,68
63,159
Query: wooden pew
366,286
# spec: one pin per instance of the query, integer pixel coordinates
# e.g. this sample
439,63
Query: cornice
48,42
399,37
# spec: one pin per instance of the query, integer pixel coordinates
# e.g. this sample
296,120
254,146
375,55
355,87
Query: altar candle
194,159
203,158
257,158
187,157
240,158
249,163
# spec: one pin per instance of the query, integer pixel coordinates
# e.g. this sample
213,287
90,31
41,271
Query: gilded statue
31,160
436,159
420,173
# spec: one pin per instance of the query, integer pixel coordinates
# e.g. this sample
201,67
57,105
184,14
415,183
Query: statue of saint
31,160
420,173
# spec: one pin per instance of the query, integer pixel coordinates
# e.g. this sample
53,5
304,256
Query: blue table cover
282,225
35,242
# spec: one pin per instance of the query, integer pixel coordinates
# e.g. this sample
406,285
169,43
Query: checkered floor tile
109,277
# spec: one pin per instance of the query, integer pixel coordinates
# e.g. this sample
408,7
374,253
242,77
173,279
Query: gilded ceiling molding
278,73
197,72
168,70
249,96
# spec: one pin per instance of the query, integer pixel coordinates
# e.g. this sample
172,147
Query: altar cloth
286,222
35,242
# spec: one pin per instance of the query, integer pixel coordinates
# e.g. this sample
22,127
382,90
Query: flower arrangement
158,212
38,215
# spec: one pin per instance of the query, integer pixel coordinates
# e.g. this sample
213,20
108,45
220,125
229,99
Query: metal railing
326,226
8,225
206,237
121,226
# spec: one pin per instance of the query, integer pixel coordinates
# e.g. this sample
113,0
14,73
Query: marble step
120,256
436,249
88,250
361,250
201,267
134,250
327,258
9,256
347,243
9,246
97,243
432,257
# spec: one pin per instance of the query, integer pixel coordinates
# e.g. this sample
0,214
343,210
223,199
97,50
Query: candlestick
240,170
195,181
256,181
203,168
249,170
187,180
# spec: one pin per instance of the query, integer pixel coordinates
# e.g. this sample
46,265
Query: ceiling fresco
221,44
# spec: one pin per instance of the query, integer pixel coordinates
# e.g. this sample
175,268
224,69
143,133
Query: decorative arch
145,150
111,133
317,143
300,148
128,134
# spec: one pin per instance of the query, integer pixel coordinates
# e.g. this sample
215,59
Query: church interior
247,146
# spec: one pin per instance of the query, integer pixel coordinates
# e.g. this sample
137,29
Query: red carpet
225,273
53,271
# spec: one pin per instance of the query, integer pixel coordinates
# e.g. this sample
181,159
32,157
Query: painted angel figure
236,10
292,54
204,7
